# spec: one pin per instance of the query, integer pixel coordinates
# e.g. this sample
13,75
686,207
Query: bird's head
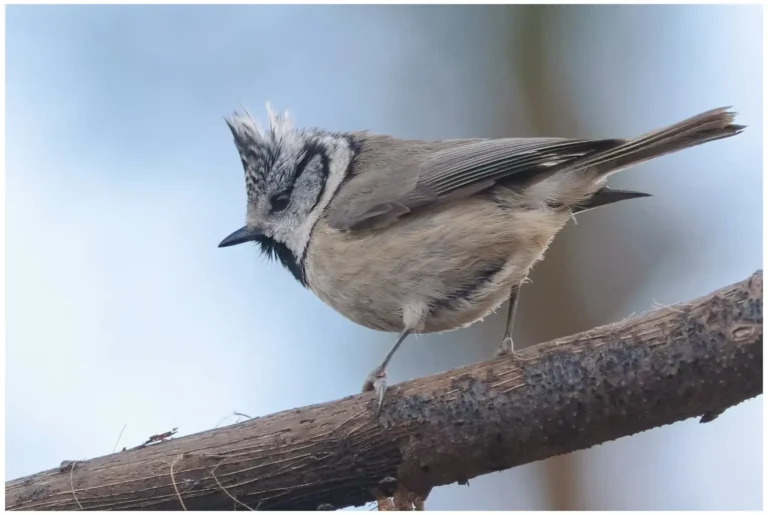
290,176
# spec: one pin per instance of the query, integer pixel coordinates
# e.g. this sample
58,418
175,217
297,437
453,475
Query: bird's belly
456,267
382,309
461,314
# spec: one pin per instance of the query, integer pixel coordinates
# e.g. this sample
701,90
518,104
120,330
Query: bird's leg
507,347
377,380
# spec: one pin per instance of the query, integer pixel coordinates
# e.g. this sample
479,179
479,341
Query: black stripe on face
326,171
355,146
311,150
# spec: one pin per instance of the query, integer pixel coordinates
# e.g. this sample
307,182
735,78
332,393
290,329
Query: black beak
242,235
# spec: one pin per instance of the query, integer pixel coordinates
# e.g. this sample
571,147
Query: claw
506,348
381,388
377,381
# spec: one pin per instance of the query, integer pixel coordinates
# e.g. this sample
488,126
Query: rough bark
688,360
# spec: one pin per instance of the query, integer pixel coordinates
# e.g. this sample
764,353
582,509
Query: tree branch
692,359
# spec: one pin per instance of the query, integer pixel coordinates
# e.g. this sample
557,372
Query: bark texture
688,360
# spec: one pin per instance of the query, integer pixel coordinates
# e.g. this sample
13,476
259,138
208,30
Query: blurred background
122,178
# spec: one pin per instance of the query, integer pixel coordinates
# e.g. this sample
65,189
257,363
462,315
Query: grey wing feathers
378,195
491,160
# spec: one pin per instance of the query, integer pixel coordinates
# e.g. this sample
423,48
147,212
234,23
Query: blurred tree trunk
551,305
548,293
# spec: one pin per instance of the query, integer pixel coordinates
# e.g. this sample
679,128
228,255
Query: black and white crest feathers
260,149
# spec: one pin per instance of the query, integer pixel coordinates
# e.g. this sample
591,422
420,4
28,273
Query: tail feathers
708,126
605,196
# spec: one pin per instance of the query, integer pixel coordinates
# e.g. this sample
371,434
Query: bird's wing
406,178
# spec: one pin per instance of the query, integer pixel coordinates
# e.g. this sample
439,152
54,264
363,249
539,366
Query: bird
418,236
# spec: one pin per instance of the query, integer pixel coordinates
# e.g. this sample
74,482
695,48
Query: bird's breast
459,261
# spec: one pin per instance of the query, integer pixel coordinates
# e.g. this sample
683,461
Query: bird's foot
507,348
377,381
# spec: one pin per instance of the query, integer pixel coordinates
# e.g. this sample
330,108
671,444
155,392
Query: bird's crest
246,127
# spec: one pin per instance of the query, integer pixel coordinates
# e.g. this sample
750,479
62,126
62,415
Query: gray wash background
122,178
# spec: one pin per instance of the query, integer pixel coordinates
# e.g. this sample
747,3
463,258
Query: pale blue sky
122,178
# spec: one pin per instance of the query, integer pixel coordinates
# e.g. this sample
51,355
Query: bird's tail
708,126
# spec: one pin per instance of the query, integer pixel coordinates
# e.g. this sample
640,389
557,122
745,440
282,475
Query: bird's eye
280,202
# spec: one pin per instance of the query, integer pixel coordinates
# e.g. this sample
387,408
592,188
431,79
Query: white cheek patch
339,157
